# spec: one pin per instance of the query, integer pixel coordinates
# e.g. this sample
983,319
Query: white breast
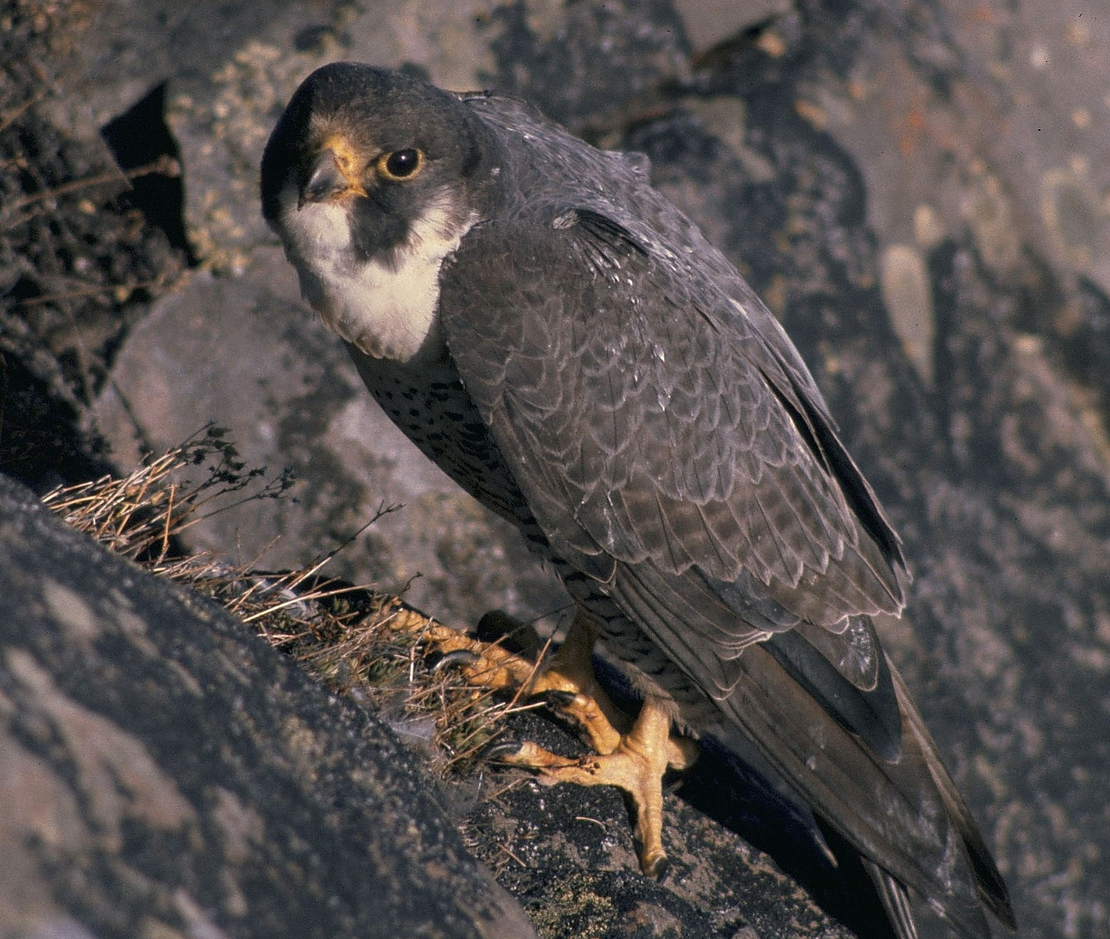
387,306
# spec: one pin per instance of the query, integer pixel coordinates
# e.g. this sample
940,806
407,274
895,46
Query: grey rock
709,23
164,772
962,149
987,122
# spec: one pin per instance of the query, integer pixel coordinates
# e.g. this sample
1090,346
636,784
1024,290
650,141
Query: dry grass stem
358,642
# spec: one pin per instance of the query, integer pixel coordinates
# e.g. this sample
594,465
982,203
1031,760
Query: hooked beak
329,178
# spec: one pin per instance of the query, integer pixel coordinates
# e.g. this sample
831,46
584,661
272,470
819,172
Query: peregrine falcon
571,350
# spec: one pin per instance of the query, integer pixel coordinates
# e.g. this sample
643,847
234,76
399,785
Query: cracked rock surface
917,189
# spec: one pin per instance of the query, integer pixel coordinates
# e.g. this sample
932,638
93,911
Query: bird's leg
632,755
571,672
566,678
636,765
569,680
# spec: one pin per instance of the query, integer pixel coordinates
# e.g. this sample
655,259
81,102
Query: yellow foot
636,765
631,755
565,678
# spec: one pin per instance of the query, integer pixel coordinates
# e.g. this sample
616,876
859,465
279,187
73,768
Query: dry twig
356,641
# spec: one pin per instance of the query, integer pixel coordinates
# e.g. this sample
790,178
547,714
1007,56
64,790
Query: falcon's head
371,179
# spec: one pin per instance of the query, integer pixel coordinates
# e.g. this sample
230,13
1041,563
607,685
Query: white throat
388,306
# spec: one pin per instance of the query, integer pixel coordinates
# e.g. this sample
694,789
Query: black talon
658,871
460,658
557,699
501,749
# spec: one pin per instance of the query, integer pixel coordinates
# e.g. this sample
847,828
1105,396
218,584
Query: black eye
401,164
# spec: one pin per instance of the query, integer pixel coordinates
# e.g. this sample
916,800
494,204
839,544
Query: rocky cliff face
916,189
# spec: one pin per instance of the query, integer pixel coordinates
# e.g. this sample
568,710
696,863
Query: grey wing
670,443
660,421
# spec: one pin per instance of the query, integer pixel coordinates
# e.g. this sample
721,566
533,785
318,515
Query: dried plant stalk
355,640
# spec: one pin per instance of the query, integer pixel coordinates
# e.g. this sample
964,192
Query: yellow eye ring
399,165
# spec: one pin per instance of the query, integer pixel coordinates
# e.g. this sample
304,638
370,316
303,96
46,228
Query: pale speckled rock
908,297
993,120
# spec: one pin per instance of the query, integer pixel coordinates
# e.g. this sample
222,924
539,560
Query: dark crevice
139,138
